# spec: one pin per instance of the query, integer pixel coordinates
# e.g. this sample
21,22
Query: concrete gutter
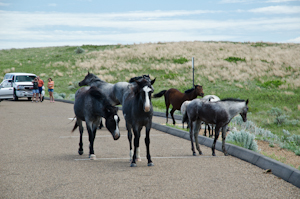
279,169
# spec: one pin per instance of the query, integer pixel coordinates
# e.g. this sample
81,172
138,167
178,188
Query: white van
21,85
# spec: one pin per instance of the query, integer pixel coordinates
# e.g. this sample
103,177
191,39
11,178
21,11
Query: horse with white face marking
219,113
90,105
138,112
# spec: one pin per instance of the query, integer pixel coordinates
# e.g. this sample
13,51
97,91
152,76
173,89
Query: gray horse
219,113
113,92
90,106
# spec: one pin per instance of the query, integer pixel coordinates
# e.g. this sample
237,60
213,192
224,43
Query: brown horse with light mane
176,98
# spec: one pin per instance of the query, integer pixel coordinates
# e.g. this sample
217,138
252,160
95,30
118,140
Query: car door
6,90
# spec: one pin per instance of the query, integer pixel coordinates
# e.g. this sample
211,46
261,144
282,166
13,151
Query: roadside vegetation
267,74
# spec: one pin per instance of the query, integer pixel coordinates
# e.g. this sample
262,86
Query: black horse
90,106
138,112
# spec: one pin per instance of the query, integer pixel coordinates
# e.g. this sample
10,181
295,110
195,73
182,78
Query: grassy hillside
268,74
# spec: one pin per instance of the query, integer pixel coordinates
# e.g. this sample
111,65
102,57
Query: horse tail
75,127
185,118
161,93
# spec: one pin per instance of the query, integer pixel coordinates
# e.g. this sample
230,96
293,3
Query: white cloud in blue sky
35,23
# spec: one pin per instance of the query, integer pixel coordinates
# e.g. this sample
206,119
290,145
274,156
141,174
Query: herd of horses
97,100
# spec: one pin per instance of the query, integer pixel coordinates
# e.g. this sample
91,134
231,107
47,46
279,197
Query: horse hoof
80,152
150,164
200,153
133,165
92,157
194,154
226,154
214,154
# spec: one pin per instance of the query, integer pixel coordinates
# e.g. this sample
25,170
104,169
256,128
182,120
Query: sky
44,23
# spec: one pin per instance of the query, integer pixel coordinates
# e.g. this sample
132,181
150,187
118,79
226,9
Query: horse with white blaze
90,106
138,112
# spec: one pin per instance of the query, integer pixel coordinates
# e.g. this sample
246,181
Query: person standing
35,90
51,89
40,85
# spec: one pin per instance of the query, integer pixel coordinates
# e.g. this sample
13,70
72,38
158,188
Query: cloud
295,40
279,1
4,4
52,4
46,28
277,10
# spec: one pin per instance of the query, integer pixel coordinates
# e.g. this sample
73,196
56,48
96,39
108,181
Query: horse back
175,97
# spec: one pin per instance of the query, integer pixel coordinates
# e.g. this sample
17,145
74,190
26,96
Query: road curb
279,169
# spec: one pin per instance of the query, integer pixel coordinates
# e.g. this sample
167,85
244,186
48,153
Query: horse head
145,89
112,121
89,79
199,90
244,111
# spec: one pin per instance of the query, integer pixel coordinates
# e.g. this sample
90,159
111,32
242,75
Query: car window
5,84
24,78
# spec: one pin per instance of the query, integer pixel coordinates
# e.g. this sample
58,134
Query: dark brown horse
176,98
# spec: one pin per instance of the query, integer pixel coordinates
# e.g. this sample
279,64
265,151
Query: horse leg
197,127
129,136
209,130
137,134
191,136
217,130
205,130
167,111
172,115
91,132
80,150
147,142
224,130
101,124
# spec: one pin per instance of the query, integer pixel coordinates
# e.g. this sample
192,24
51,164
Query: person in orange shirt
51,89
40,85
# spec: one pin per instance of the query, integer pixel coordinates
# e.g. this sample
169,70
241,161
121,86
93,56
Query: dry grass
273,61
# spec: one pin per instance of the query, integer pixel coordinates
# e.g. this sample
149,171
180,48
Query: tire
15,96
29,98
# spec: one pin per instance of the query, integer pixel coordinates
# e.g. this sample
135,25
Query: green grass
235,59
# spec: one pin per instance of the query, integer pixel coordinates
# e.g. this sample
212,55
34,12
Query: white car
6,90
21,84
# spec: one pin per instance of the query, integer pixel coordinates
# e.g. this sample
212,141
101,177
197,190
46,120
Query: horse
138,112
113,92
219,113
90,105
211,98
176,98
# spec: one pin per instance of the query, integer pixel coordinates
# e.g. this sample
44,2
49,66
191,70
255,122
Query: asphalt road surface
39,159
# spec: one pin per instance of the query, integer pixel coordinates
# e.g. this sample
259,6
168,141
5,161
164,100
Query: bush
79,50
245,138
235,59
181,60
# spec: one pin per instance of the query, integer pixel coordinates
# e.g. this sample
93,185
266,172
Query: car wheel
29,98
15,96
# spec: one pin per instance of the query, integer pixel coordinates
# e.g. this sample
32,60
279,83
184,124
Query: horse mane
96,77
133,79
233,100
189,90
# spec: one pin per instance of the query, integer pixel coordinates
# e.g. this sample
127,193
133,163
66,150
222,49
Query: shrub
245,138
79,50
181,60
57,96
235,59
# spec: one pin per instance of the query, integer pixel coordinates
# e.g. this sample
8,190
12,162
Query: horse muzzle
147,108
116,135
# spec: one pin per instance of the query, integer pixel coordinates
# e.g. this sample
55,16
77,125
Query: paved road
39,159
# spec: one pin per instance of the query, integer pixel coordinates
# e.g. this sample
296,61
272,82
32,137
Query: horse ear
247,101
152,81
